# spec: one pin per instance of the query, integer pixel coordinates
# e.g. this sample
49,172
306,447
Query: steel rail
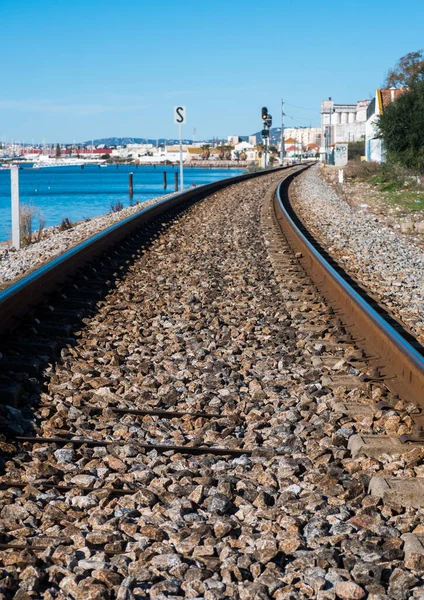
33,288
402,365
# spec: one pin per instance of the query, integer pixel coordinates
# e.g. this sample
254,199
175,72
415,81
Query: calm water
76,193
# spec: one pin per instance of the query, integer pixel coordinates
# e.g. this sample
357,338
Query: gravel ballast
217,316
378,256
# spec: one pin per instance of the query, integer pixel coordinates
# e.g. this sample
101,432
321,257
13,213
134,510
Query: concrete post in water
165,185
176,181
14,185
130,184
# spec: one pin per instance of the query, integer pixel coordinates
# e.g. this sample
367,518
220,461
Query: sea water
76,193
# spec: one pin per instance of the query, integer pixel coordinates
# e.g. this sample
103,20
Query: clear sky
82,69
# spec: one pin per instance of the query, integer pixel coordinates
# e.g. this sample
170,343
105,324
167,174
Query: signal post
266,124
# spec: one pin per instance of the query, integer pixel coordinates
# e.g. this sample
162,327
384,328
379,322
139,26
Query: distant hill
275,135
124,141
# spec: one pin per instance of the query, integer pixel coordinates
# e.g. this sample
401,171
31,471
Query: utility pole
327,110
267,122
282,133
14,181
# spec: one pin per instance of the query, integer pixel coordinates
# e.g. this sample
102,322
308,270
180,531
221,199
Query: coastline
70,193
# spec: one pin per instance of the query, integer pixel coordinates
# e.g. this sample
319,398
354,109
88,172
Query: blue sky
85,69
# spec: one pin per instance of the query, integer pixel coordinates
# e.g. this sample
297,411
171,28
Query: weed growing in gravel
66,224
117,207
27,214
26,218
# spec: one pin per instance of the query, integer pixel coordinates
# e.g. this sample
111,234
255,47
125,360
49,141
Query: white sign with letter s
179,115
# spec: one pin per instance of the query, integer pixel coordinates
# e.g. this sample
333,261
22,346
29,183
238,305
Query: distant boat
7,166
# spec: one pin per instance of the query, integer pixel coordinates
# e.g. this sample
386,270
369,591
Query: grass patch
393,186
402,188
409,201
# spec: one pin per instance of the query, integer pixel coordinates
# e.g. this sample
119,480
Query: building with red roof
374,147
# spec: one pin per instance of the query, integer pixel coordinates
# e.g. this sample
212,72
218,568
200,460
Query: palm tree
206,152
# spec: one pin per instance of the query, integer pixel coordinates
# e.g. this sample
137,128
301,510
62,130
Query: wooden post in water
14,182
176,181
165,185
130,184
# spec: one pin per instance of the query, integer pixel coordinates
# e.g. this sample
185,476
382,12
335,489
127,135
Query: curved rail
33,288
400,359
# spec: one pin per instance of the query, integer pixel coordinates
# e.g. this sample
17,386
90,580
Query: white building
374,147
304,135
292,147
343,122
233,140
135,151
248,149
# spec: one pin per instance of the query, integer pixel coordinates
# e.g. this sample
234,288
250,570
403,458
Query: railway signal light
264,112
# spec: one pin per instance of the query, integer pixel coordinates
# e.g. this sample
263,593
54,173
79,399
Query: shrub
402,128
41,225
361,171
356,150
66,224
253,168
27,213
117,207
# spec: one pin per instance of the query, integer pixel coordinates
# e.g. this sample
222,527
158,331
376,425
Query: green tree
408,70
57,150
357,149
402,128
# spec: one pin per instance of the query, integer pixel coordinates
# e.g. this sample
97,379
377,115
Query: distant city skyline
84,70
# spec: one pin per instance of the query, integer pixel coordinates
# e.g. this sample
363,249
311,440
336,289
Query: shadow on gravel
29,353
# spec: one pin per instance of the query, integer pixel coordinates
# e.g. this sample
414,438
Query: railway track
180,414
